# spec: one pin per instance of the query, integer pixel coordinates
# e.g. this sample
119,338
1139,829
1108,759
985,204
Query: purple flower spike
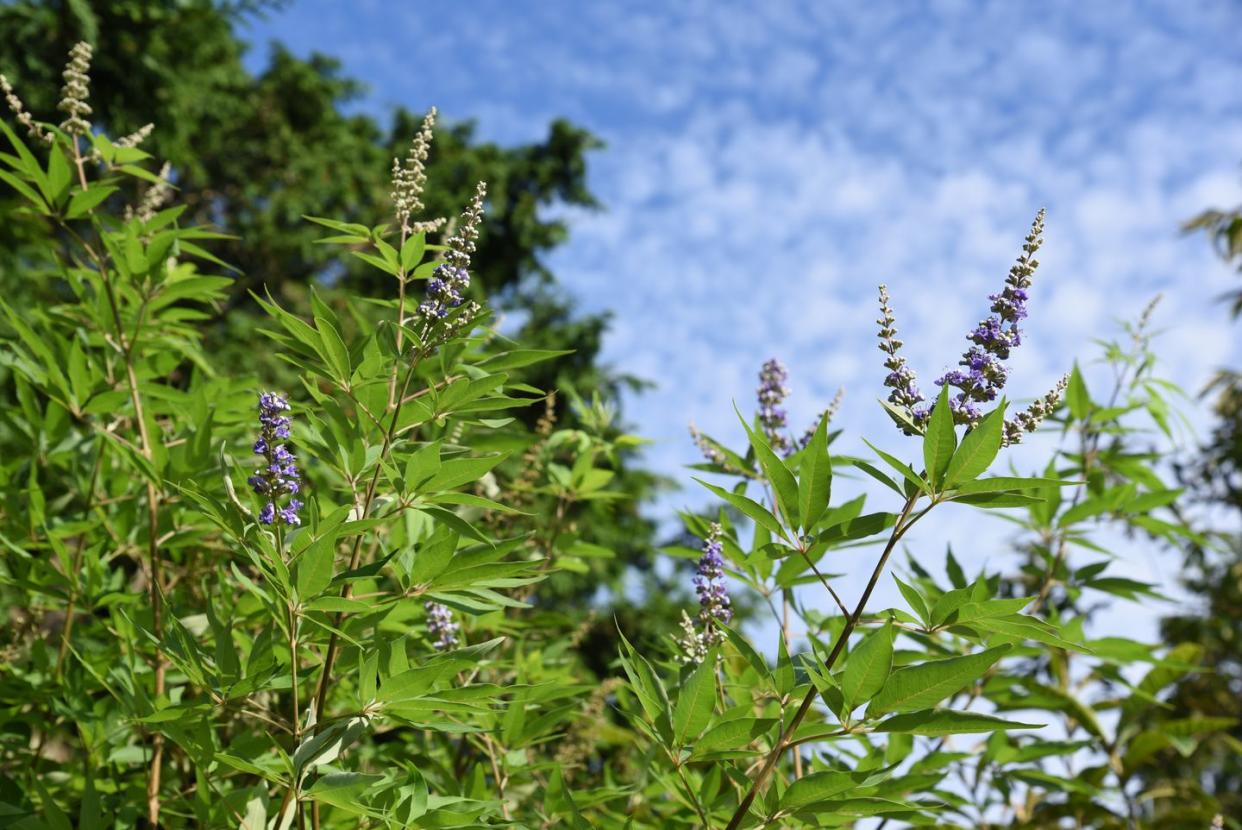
771,394
984,372
900,378
701,633
279,474
441,626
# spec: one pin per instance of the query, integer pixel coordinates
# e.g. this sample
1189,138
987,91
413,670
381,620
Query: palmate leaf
327,745
645,683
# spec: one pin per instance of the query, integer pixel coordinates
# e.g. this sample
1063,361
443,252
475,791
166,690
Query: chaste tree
332,602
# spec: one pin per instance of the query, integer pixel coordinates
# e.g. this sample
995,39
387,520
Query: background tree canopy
254,154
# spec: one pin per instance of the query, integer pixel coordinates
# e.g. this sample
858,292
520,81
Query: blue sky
769,164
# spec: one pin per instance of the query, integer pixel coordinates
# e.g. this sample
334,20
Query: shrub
232,606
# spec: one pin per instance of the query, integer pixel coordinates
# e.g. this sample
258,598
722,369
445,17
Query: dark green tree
252,154
1213,574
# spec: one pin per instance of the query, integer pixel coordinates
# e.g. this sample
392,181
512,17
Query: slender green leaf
695,702
868,666
925,685
940,440
815,477
749,508
940,722
978,449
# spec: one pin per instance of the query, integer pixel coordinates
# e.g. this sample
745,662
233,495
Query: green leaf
52,813
815,477
978,449
315,566
939,722
644,681
696,701
900,466
454,472
997,484
816,787
58,174
24,189
782,480
750,508
343,227
1076,395
925,685
914,599
83,201
412,251
334,353
868,666
858,527
518,358
343,790
940,440
732,735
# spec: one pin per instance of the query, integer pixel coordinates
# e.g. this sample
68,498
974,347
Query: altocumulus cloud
769,164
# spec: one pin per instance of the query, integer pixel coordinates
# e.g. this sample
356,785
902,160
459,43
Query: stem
500,780
293,651
329,657
694,799
126,346
77,159
786,601
399,334
904,522
71,610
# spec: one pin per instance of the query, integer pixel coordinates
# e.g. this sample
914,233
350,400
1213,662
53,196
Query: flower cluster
772,392
983,373
409,178
19,112
714,603
441,626
136,137
712,454
76,90
279,475
1029,419
900,378
154,197
444,291
828,414
449,280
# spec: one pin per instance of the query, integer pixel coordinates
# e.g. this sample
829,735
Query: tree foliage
351,621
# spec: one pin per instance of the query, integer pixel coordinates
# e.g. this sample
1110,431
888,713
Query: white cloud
769,164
